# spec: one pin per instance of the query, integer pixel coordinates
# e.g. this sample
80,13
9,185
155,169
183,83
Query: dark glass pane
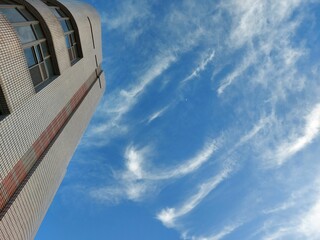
73,41
13,15
70,54
49,67
26,14
68,41
60,12
28,52
38,30
55,12
64,26
75,53
25,34
44,71
44,49
38,53
69,25
36,75
3,105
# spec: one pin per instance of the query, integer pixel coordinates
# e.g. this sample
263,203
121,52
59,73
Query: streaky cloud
309,133
121,102
158,113
252,133
309,224
201,67
217,236
304,225
188,166
278,234
126,15
169,216
223,233
270,25
134,160
139,178
246,63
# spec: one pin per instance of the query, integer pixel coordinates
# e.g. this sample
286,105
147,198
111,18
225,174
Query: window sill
42,85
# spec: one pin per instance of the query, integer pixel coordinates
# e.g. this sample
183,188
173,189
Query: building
50,84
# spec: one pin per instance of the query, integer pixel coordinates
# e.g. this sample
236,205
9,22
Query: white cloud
302,225
224,232
310,132
252,133
180,30
134,160
246,63
220,235
121,102
278,234
128,12
201,66
187,166
169,216
139,178
296,197
255,18
126,99
310,222
263,31
157,114
282,207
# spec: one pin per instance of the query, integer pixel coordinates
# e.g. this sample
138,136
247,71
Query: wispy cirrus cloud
309,223
139,178
128,15
310,131
189,166
119,103
201,66
158,113
278,234
260,79
301,225
169,216
264,32
217,236
220,235
246,63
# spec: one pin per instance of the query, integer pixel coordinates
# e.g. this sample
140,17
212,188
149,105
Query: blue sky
209,127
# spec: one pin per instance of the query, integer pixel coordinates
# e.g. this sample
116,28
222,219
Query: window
68,29
32,39
3,105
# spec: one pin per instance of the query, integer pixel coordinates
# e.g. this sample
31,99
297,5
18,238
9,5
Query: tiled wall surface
56,32
13,66
32,113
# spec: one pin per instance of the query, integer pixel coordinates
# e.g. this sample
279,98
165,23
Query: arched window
68,26
32,39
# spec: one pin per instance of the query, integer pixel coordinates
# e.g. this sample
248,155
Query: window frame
32,22
74,51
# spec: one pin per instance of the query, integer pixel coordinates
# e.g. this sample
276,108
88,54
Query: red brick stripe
2,200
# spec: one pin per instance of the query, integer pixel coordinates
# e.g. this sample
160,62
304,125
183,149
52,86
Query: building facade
50,84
